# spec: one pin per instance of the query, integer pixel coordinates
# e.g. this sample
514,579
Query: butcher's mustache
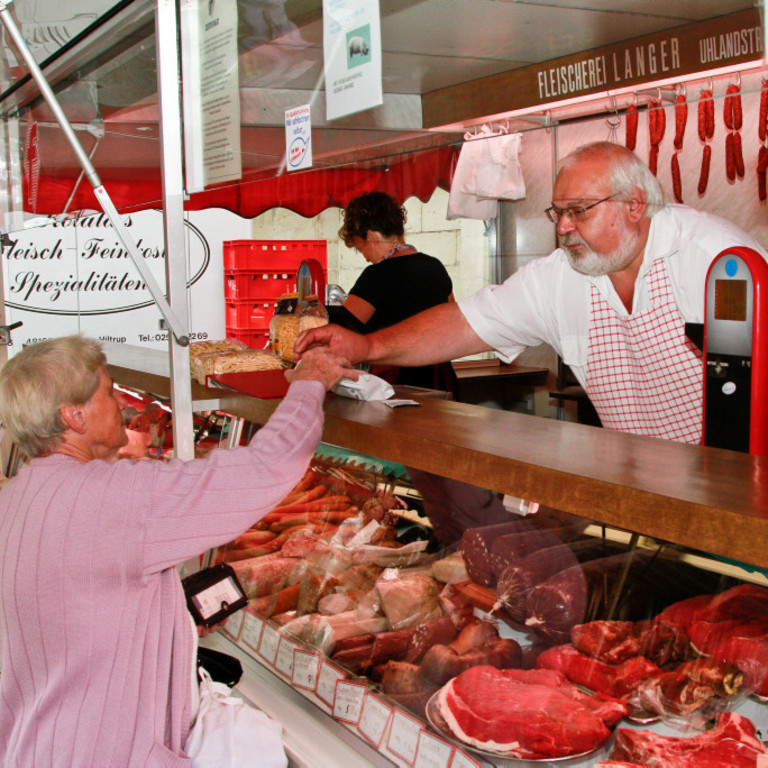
569,240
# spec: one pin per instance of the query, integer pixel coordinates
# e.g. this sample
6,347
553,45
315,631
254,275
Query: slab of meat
616,641
745,602
616,681
707,635
730,744
519,713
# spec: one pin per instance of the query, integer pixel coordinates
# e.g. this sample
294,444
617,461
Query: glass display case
366,602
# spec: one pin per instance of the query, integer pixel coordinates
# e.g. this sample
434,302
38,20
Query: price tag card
270,638
305,669
432,752
252,628
348,703
404,736
373,719
462,760
284,658
233,624
326,682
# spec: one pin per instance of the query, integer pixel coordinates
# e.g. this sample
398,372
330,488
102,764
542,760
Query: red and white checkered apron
643,375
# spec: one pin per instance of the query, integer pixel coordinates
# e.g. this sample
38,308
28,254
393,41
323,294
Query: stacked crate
256,274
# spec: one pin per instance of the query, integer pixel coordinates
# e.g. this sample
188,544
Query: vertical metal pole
169,97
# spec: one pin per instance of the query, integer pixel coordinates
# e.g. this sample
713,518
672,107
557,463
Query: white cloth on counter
367,387
488,170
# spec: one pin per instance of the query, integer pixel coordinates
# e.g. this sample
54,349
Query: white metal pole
168,88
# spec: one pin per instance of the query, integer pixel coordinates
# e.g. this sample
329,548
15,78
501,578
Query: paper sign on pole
211,91
352,54
298,138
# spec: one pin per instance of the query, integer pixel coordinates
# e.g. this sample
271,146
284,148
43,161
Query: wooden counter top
704,498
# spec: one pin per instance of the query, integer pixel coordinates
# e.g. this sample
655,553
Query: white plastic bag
229,733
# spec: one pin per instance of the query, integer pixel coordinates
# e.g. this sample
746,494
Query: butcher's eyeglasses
575,212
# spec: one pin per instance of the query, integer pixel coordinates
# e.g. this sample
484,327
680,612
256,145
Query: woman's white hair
38,381
627,171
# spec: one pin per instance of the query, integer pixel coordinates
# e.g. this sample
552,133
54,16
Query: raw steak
730,744
518,713
706,635
617,641
750,655
616,681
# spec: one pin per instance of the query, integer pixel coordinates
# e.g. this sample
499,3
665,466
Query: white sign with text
75,276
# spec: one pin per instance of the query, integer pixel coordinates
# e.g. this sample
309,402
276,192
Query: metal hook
683,91
738,79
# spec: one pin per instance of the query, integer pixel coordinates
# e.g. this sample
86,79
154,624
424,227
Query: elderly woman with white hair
96,643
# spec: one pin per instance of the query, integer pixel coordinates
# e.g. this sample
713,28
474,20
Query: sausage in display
681,117
706,158
677,187
631,127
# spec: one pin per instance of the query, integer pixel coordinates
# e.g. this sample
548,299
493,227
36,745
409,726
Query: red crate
249,313
253,284
255,338
273,255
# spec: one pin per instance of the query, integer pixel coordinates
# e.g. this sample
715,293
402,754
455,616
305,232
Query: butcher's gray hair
627,171
38,381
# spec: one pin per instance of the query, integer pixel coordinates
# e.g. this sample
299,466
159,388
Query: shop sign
75,276
674,54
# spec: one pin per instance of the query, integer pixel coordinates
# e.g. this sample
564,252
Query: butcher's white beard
593,263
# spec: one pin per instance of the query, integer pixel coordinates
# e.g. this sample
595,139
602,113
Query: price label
404,736
373,719
348,703
270,639
326,682
432,752
460,760
305,668
252,628
284,658
233,624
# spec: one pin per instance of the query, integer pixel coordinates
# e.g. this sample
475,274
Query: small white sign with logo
298,138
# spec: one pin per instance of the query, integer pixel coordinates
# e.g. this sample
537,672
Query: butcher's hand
353,347
320,364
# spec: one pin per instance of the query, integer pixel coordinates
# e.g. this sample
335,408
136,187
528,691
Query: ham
520,713
732,743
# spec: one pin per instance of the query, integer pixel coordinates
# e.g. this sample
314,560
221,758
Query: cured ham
525,713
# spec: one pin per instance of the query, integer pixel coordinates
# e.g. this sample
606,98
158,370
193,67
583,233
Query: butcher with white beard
612,300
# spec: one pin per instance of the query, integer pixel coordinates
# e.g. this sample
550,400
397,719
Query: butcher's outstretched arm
434,336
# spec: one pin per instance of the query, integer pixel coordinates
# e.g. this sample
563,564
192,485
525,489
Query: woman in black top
399,282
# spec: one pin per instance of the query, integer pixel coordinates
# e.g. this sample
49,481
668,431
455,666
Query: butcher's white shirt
548,301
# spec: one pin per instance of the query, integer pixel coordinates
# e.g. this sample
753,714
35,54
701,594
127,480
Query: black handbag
222,667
